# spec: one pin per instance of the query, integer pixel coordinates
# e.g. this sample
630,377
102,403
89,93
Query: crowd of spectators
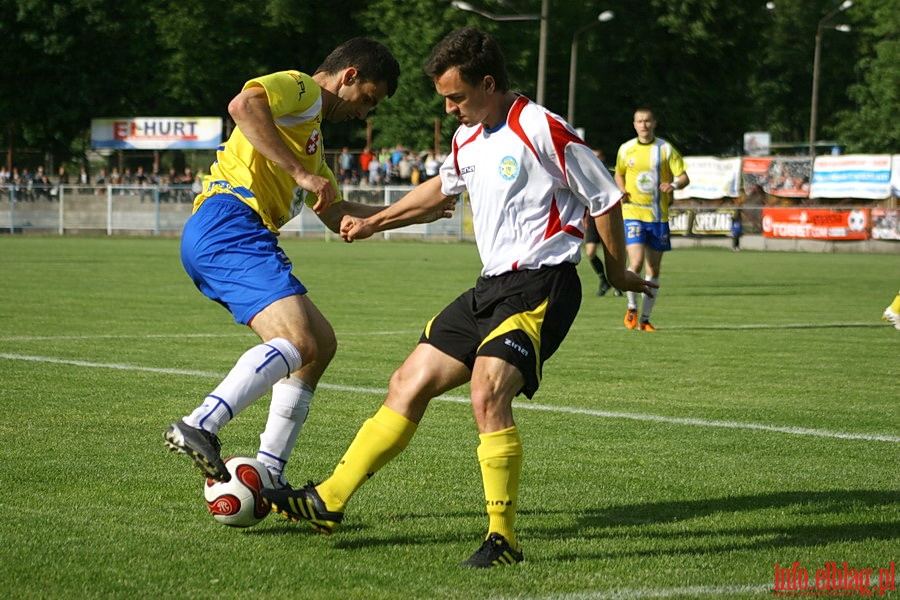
399,166
28,186
366,169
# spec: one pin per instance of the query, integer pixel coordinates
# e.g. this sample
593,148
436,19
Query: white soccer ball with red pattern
239,502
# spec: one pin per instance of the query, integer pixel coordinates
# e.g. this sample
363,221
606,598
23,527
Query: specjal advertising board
157,133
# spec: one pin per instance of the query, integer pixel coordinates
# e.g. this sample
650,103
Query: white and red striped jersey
529,182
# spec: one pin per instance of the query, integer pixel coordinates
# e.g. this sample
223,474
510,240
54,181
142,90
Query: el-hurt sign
157,133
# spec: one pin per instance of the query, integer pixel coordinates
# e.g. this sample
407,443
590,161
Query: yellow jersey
645,166
242,171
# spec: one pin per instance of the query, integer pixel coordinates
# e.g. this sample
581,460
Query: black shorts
521,317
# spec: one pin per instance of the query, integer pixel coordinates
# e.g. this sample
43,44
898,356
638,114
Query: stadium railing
163,210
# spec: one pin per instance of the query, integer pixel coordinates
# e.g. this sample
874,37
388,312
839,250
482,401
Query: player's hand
355,228
321,188
444,211
635,283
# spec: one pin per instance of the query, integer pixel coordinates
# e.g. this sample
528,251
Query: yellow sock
500,455
380,439
895,305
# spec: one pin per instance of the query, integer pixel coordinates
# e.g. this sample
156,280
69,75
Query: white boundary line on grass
640,594
868,437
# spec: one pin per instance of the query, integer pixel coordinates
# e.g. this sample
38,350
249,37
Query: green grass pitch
758,426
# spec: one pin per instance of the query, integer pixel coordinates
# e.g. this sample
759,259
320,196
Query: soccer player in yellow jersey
892,313
271,165
648,170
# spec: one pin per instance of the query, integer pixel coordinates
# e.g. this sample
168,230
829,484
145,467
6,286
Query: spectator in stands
376,171
41,185
404,169
431,164
384,160
648,171
364,159
100,181
84,181
347,166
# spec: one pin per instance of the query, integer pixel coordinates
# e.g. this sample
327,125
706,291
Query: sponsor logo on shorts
518,348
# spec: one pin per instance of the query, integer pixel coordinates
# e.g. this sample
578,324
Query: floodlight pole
606,15
814,102
542,44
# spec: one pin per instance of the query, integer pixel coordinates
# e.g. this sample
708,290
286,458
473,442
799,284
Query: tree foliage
869,125
712,69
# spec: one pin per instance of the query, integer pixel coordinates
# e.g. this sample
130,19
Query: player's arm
620,181
252,114
611,227
424,203
677,183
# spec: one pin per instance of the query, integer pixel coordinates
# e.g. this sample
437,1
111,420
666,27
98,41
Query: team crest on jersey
645,182
509,168
312,144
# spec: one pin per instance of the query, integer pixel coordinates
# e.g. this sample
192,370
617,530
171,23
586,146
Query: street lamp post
603,17
542,45
814,107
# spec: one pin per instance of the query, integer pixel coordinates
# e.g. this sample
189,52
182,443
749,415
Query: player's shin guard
254,374
291,398
632,297
379,440
648,301
500,455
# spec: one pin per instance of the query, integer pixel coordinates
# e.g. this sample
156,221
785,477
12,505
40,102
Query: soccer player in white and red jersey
648,170
530,179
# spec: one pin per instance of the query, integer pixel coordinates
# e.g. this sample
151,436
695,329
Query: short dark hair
373,61
472,51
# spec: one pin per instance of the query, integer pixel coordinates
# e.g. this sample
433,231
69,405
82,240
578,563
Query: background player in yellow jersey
271,164
648,170
892,313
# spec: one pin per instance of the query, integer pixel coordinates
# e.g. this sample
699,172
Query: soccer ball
239,502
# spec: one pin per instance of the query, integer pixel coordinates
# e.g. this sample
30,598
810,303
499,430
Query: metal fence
163,210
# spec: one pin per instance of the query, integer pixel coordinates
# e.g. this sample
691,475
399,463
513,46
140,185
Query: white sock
287,414
255,372
649,301
632,300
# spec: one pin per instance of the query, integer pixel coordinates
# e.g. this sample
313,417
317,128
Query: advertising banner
712,223
711,178
852,176
157,133
814,223
895,174
680,221
779,176
885,223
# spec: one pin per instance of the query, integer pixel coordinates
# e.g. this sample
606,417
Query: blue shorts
655,235
234,259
